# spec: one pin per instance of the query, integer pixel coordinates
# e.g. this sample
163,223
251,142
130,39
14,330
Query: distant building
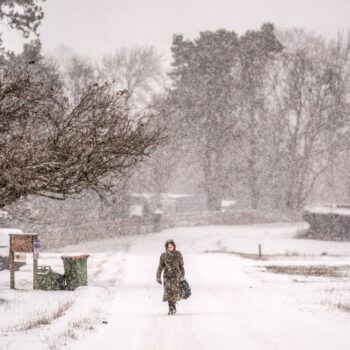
227,204
170,203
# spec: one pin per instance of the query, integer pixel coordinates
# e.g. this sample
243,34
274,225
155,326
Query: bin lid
75,256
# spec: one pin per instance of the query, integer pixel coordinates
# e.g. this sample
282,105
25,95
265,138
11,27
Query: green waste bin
50,280
75,270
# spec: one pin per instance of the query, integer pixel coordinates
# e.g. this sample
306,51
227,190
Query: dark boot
172,308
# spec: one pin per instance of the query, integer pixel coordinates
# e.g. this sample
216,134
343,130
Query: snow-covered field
236,302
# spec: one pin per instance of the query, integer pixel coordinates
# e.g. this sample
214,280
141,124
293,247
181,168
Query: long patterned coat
172,265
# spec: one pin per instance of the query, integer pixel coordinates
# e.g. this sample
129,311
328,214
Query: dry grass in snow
311,270
337,298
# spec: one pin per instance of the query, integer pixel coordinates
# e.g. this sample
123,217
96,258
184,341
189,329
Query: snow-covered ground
235,302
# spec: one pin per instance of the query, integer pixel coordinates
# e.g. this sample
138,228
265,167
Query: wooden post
35,273
260,253
12,266
35,266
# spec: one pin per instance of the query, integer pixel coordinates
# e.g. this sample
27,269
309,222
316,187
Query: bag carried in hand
185,289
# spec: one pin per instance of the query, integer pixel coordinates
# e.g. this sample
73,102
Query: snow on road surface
232,305
235,303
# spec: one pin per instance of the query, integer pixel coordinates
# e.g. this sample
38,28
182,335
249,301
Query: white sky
96,27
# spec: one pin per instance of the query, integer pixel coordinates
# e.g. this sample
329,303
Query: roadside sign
36,249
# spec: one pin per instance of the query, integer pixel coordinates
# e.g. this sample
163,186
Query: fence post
260,252
12,265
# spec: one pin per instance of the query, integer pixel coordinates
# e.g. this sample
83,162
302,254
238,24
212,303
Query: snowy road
230,307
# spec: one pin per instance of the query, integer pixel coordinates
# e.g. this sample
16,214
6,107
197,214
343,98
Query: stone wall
53,237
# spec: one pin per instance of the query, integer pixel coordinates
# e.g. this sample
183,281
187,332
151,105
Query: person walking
172,265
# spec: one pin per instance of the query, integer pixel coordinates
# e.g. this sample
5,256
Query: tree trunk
213,200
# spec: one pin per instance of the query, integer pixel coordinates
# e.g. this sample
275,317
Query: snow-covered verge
275,239
51,319
337,298
48,320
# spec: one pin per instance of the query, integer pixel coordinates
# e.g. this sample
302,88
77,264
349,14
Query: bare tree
137,70
79,71
53,147
310,97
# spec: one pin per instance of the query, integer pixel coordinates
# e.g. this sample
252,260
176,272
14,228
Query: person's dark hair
169,241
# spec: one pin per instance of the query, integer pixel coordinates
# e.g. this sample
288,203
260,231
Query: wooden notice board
22,243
